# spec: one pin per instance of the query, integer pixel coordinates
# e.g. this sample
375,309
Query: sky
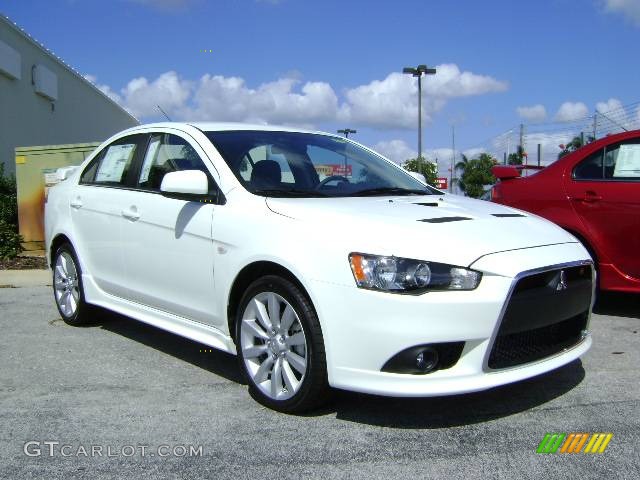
326,64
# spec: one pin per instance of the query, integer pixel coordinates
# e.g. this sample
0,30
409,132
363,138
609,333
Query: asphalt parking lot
120,383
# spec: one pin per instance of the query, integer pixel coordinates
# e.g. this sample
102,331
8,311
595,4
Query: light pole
418,72
346,132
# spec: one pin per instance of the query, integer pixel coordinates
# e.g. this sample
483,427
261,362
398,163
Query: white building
43,101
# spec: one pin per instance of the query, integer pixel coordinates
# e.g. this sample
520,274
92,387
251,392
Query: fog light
427,360
424,359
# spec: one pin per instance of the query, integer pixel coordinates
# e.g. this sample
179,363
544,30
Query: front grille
547,313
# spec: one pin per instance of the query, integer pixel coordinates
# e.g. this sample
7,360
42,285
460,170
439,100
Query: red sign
441,183
335,169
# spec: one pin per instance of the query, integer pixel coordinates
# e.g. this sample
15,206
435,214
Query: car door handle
590,196
131,213
76,203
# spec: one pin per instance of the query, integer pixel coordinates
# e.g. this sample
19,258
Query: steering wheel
331,178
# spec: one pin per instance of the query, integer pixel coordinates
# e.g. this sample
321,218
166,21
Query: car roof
227,126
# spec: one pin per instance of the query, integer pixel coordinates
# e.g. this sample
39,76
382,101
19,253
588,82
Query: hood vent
443,219
507,215
427,204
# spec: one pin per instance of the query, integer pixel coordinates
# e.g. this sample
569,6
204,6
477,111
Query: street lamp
347,131
418,72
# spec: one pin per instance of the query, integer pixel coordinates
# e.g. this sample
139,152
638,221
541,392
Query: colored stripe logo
574,443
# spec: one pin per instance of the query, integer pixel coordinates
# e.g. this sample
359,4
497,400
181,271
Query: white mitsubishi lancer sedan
317,261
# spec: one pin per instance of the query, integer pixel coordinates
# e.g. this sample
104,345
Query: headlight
393,274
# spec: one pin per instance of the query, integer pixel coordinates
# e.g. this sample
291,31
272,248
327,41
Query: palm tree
461,165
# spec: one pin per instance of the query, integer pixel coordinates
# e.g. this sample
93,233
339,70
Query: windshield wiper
390,191
289,192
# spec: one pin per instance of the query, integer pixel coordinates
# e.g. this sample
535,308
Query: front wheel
280,346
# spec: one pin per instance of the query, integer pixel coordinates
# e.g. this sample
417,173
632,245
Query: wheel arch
250,273
58,240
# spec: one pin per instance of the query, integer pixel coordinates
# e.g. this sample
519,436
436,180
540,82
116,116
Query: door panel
168,253
167,243
608,203
96,206
95,213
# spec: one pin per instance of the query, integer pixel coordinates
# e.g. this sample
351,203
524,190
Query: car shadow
202,356
458,410
618,304
409,413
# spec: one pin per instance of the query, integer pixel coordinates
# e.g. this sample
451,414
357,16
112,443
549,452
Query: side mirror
419,177
185,185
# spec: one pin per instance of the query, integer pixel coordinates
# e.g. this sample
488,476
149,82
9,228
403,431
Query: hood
441,228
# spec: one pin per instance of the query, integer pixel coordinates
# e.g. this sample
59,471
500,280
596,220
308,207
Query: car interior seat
266,174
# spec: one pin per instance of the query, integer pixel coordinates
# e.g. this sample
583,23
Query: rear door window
114,164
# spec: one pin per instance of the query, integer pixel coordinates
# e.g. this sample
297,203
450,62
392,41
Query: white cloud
106,89
281,101
388,103
549,144
609,105
569,111
397,150
615,116
534,113
142,97
393,101
628,8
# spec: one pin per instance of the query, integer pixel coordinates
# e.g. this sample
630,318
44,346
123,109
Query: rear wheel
67,286
280,346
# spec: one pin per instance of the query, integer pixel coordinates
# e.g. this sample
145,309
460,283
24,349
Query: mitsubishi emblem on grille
562,281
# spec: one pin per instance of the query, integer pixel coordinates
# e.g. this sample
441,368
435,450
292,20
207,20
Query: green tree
517,157
575,143
461,167
476,174
423,166
10,241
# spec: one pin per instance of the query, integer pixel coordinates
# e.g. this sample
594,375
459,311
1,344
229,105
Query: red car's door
604,189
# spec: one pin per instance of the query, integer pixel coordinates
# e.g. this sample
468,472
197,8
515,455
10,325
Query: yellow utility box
35,173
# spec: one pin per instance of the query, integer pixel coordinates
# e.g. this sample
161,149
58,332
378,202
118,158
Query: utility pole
521,152
539,153
453,157
506,157
595,124
418,72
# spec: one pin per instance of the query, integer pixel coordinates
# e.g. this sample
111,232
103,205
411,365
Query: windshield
271,163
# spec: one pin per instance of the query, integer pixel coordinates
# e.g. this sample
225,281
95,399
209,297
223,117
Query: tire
67,287
284,363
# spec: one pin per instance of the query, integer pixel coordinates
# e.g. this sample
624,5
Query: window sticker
114,162
628,161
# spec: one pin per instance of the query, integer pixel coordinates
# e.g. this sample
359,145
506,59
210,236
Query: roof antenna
163,112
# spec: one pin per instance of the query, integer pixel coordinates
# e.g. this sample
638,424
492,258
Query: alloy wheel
273,344
66,284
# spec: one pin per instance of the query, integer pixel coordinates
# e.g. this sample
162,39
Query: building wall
81,113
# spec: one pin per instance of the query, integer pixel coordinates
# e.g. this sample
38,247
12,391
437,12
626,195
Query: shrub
10,240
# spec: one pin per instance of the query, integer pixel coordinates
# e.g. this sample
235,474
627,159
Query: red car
594,193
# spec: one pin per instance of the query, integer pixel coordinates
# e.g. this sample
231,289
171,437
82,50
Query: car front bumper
363,329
